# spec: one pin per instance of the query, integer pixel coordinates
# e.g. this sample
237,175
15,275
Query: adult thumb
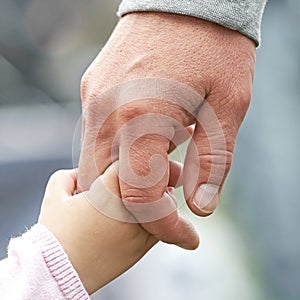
208,161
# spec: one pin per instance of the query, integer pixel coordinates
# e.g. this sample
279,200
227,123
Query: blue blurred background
250,246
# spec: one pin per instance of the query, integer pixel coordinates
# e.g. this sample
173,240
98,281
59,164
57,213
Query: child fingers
62,183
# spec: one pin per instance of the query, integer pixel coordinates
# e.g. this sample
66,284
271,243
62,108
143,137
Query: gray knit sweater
242,15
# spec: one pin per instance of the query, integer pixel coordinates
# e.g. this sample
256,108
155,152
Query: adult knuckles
217,158
237,104
131,195
84,85
162,113
242,96
231,102
216,166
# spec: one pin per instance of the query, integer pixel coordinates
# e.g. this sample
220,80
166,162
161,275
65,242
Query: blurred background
250,246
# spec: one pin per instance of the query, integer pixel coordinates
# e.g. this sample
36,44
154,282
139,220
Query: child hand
100,248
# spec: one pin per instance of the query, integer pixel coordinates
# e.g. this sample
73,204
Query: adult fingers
144,176
89,170
208,160
179,231
176,174
104,195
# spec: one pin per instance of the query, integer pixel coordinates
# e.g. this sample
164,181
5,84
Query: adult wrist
243,16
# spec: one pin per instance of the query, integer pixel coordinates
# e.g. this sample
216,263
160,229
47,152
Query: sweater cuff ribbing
57,262
243,16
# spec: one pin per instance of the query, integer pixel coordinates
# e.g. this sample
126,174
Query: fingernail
204,196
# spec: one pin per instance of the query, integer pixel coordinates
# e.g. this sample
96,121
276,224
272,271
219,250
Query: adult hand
216,62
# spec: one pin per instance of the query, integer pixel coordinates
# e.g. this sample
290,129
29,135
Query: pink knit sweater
37,268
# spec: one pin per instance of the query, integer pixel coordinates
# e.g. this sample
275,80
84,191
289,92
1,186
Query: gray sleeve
242,15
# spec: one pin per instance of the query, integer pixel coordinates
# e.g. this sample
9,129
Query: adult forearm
242,15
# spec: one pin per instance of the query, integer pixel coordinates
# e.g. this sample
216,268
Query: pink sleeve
37,268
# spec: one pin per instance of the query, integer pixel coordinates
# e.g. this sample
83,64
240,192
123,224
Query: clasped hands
157,75
139,132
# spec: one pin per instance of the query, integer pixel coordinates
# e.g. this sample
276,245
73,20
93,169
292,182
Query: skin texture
99,247
215,61
91,240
